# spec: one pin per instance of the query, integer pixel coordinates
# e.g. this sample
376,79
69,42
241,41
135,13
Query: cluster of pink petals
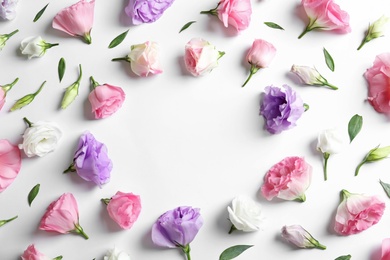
106,100
124,209
385,249
10,163
237,13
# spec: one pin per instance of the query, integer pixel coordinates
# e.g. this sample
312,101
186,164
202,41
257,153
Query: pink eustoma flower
378,78
124,208
31,253
357,212
62,216
325,15
259,56
105,99
3,92
288,179
76,20
10,163
385,249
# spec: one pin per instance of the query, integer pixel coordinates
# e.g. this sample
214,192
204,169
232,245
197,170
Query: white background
180,140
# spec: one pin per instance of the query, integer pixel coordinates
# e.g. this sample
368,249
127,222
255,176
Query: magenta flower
146,11
31,253
76,20
91,161
357,212
10,163
62,216
288,179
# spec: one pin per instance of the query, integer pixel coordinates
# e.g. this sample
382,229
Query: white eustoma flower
8,9
310,76
116,254
40,138
245,214
299,236
35,46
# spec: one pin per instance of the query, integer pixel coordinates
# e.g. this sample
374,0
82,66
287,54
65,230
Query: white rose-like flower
116,254
245,214
40,138
35,46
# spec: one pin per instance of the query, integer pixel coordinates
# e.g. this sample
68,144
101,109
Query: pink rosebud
10,163
124,208
378,80
3,91
259,56
297,235
76,20
201,57
31,253
357,212
325,15
62,216
288,179
385,249
105,99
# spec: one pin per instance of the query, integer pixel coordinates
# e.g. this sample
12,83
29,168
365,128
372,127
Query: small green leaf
61,68
186,26
33,193
386,187
354,126
343,257
233,252
117,40
40,13
329,60
274,25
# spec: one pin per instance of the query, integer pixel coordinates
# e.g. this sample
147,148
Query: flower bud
72,91
310,76
4,38
35,46
298,236
373,155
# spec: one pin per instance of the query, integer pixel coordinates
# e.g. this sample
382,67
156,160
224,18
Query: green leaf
233,252
386,187
354,126
186,26
33,193
274,25
329,60
343,257
40,13
61,68
117,40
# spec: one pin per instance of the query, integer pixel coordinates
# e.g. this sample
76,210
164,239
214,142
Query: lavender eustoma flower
146,11
281,108
177,228
91,161
7,9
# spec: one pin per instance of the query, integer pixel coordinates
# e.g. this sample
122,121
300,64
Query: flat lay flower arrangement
233,129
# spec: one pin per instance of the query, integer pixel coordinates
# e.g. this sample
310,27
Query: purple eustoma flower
146,11
281,108
91,161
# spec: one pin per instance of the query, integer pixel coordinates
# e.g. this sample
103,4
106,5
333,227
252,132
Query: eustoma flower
105,99
146,11
144,59
236,13
124,208
4,38
8,9
375,30
297,235
245,214
310,76
177,228
40,138
35,46
259,56
3,91
116,254
62,216
10,163
91,161
76,20
386,249
357,212
281,108
325,15
201,57
31,253
378,78
288,179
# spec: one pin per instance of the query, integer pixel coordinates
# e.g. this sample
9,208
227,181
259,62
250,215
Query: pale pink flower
31,253
385,249
325,15
62,216
76,20
10,163
297,235
124,208
3,92
201,57
378,78
357,212
259,56
288,179
105,99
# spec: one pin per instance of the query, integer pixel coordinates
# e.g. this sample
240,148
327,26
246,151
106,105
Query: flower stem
27,121
320,246
302,198
11,33
87,37
309,28
253,70
80,74
79,230
186,250
106,201
120,59
3,222
232,228
39,90
211,11
331,86
363,42
94,82
7,87
358,167
71,168
306,106
49,45
58,257
326,157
